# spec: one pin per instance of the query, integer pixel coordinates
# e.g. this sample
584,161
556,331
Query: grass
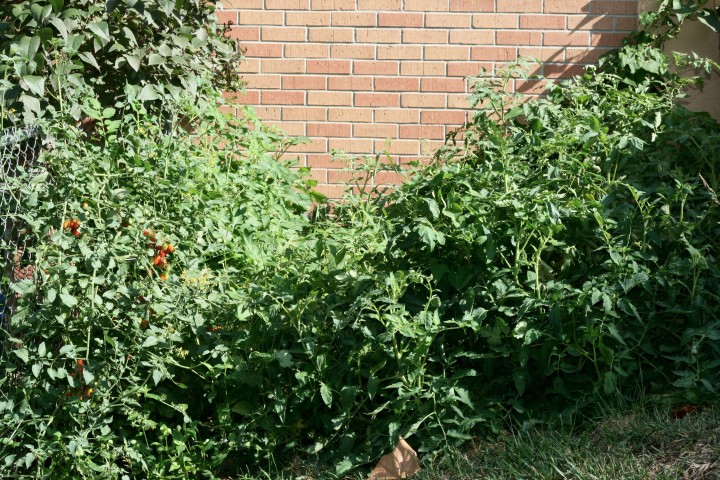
641,443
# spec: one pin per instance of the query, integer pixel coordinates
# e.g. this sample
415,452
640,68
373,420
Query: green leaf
284,358
610,383
157,375
148,93
22,354
133,61
150,342
372,386
89,58
711,18
68,299
326,394
35,84
101,31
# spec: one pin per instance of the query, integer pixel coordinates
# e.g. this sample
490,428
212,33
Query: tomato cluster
72,225
81,391
161,254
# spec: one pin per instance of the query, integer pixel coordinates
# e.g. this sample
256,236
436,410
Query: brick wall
351,74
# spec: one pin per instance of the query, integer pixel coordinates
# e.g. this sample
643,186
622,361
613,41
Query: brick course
353,74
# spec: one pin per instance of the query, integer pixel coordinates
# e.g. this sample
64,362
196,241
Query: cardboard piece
398,464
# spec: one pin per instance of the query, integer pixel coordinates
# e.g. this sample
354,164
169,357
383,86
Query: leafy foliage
53,52
187,315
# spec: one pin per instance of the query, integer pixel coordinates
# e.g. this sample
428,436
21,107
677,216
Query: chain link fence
19,149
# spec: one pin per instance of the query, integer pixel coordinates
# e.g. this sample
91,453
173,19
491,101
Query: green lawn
634,444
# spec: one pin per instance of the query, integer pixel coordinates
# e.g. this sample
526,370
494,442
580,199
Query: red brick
472,5
493,21
319,175
331,191
307,19
450,52
345,176
350,82
566,38
604,7
397,84
271,97
250,97
260,17
353,51
584,55
306,50
377,99
375,131
448,20
328,129
473,37
226,17
287,4
518,38
379,5
400,20
331,35
244,33
523,6
303,82
328,66
422,68
389,178
316,145
397,115
402,52
249,65
607,39
398,147
263,81
354,114
263,50
494,53
283,66
422,131
422,35
290,128
268,113
465,69
375,68
562,70
304,113
426,5
330,98
354,19
543,54
567,6
323,161
459,101
351,145
585,22
333,5
443,85
244,4
627,24
423,100
429,147
543,22
283,34
443,117
377,35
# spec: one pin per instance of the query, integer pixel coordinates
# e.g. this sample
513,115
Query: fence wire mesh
19,149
